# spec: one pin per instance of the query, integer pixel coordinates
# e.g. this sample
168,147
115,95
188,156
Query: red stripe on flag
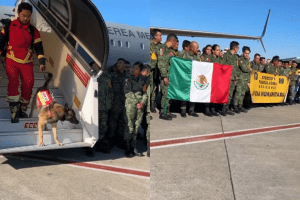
220,83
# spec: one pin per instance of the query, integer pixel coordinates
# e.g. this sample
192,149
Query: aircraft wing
190,33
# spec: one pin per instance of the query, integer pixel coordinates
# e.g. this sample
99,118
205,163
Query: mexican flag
196,81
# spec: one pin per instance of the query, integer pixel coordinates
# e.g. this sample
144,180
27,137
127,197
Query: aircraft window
142,46
61,29
127,44
71,41
60,8
84,55
120,43
112,42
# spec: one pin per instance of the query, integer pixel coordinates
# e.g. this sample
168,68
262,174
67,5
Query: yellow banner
268,88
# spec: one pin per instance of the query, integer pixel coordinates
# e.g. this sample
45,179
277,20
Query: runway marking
87,165
218,136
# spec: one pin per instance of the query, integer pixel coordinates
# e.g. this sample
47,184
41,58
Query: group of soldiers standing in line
123,103
160,55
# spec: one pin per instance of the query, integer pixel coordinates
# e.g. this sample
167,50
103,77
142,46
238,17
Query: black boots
170,114
192,113
224,111
22,111
183,113
14,109
236,109
242,109
148,150
133,148
153,106
228,111
128,151
207,112
165,116
214,112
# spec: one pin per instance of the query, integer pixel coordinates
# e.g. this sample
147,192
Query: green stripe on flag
180,79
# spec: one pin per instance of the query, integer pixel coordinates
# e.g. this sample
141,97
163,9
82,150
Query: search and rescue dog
50,111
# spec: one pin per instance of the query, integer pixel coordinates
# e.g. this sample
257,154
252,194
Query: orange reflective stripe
37,40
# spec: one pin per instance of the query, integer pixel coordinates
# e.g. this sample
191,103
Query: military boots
183,113
14,109
170,114
127,150
148,150
133,148
228,111
224,111
153,106
242,109
236,109
213,112
207,112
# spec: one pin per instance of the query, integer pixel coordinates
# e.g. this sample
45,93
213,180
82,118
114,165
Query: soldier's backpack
6,23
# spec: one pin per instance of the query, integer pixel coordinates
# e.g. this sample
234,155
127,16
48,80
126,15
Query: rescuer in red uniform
20,39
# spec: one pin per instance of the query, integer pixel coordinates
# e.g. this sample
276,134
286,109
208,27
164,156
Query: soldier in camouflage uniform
271,67
117,111
243,74
192,54
164,55
293,78
206,54
148,122
185,48
256,64
230,58
154,49
213,57
263,63
136,98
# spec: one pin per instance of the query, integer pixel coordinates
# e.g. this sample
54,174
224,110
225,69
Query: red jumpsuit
19,60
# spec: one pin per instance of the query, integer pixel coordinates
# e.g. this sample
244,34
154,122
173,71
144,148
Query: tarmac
249,156
70,174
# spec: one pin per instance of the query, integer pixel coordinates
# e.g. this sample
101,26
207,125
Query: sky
231,16
235,17
133,12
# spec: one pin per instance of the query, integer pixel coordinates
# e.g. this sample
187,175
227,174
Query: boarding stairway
24,136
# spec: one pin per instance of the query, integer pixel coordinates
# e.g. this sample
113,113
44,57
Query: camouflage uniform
231,59
164,68
214,59
134,94
205,58
243,72
187,55
148,114
280,71
154,49
270,69
105,98
293,78
117,111
257,67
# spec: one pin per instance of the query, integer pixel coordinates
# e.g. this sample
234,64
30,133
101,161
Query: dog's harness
45,98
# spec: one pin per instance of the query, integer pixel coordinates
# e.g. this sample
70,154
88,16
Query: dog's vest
44,98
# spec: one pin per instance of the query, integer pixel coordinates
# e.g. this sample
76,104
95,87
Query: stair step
4,103
36,72
54,90
38,82
28,141
31,124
